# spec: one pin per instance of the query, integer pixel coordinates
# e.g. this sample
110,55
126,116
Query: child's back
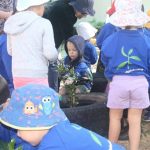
131,49
31,44
64,137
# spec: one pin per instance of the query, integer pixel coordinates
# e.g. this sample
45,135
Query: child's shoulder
45,21
82,65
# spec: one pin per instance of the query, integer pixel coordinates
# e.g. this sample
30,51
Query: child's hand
5,15
69,81
62,91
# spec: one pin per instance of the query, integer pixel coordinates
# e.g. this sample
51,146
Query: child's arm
84,75
4,14
49,50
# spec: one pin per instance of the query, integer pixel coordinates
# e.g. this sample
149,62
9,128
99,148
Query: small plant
97,24
11,145
69,79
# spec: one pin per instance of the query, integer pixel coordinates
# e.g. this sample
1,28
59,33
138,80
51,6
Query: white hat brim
24,4
122,19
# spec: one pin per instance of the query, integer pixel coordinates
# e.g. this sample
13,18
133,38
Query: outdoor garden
89,110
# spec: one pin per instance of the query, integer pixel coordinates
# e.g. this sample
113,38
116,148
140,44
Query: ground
145,138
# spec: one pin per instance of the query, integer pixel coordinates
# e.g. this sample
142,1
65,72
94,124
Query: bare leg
115,116
134,119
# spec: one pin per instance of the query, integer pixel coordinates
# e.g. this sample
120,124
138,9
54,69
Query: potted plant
86,109
69,79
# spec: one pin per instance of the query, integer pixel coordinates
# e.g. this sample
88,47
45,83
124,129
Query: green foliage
3,146
69,79
11,145
97,24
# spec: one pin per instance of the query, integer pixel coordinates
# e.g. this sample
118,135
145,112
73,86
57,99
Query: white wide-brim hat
86,30
129,13
24,4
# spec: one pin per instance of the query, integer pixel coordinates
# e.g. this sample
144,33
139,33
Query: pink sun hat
129,13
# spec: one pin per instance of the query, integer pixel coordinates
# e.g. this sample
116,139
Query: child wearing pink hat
126,57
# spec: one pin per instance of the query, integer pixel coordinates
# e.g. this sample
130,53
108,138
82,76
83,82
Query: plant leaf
123,53
130,51
122,65
11,145
135,58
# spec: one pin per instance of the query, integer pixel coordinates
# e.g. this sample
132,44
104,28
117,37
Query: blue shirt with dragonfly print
126,52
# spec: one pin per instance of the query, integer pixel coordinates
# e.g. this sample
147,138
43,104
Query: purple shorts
128,92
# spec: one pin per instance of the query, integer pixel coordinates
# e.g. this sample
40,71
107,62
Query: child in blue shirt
107,29
126,57
7,133
146,30
87,31
74,60
6,8
39,121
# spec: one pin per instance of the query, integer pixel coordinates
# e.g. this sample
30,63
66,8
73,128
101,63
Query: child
126,57
88,32
108,29
147,32
75,49
63,14
6,133
6,8
30,42
36,115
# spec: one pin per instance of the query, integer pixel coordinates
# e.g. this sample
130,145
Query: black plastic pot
91,112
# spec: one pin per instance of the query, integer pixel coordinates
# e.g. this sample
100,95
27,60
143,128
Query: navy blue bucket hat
84,6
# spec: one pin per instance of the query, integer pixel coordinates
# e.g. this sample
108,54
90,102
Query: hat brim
21,121
122,19
90,12
23,6
25,128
